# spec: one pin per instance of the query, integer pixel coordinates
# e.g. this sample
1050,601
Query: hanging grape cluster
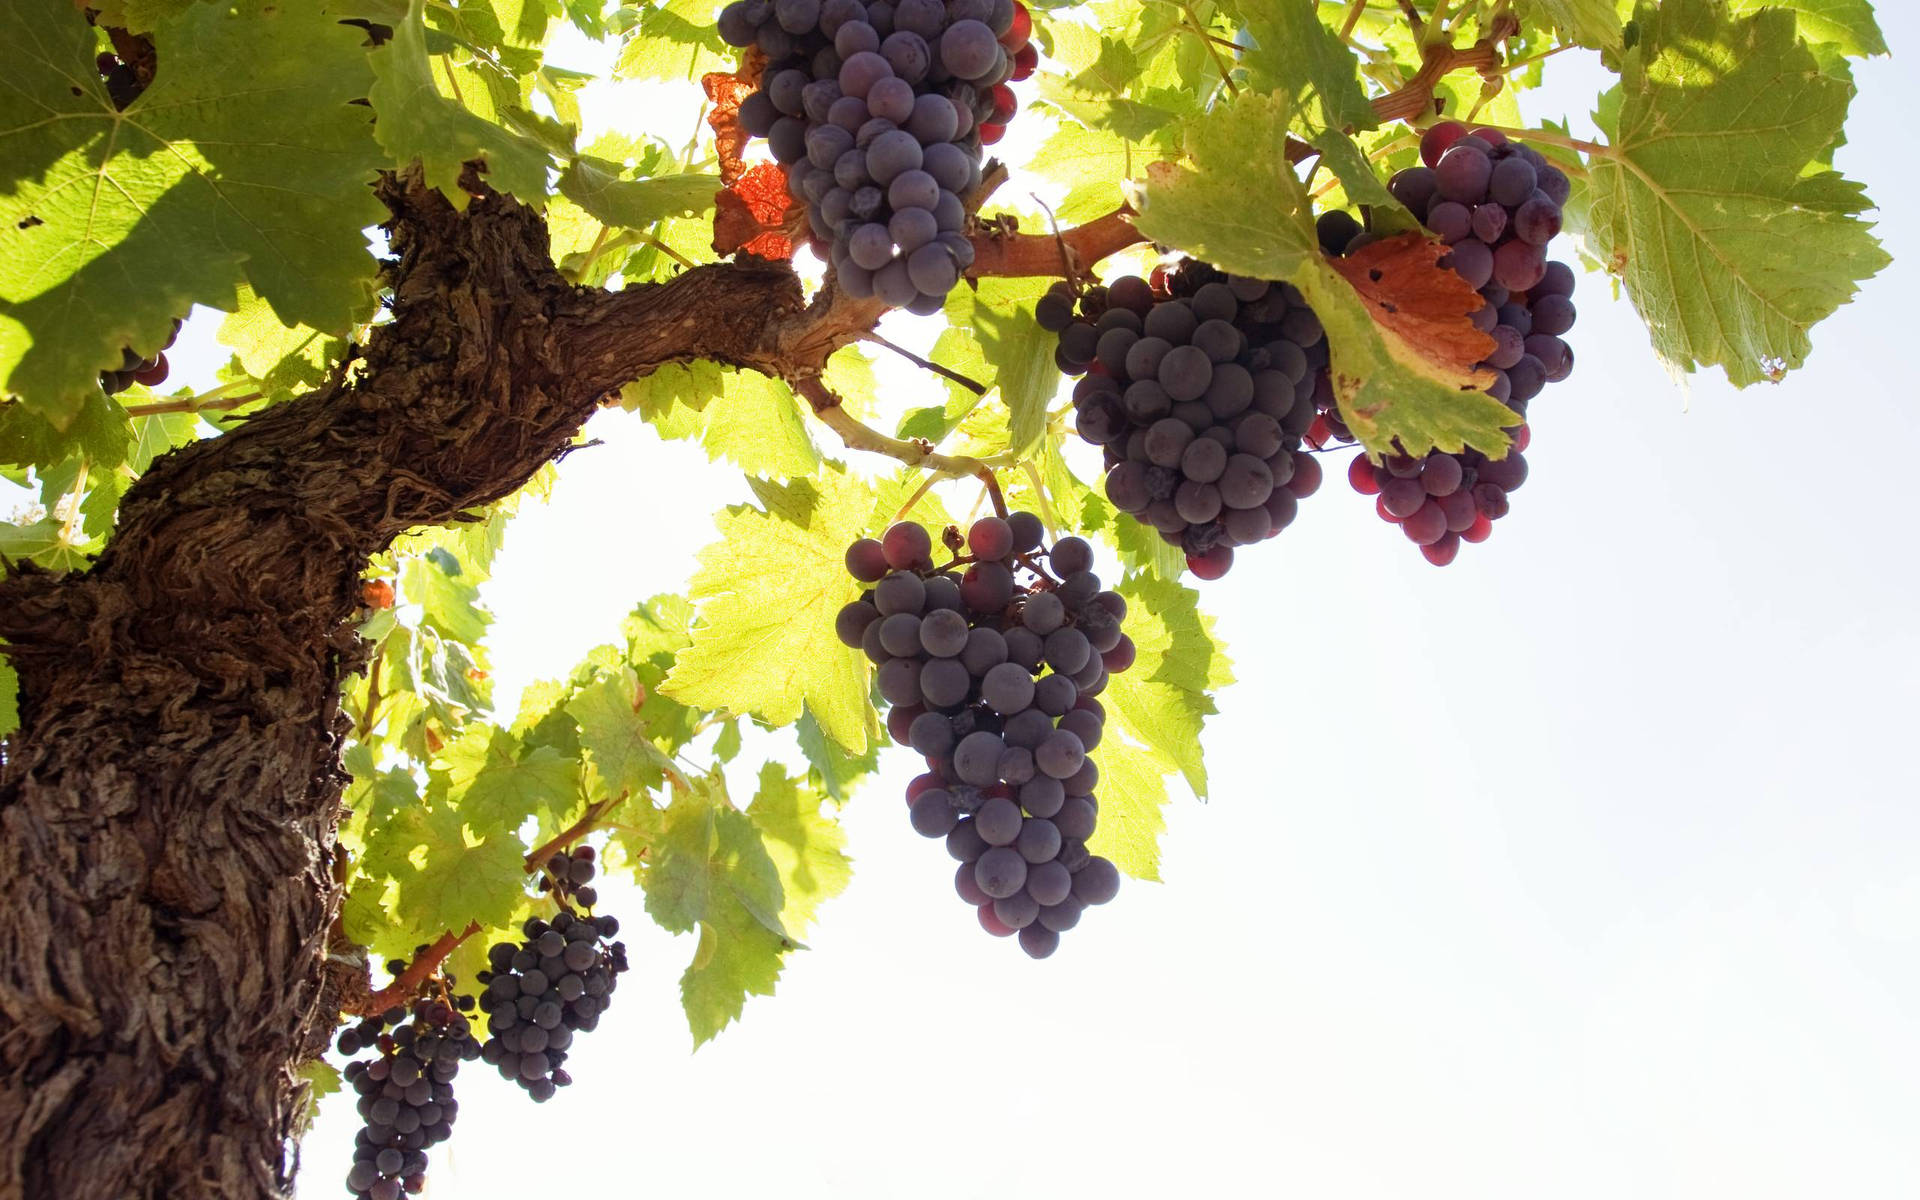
552,984
405,1091
992,664
877,112
1497,205
151,372
1198,393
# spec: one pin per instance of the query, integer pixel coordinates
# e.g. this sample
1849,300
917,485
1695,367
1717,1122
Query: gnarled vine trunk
168,807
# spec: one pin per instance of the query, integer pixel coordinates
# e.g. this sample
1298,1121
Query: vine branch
406,984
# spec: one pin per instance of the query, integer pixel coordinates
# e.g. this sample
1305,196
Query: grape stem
972,385
406,984
213,401
857,435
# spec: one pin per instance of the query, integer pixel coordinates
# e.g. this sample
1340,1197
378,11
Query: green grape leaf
709,871
1594,23
1698,202
55,545
1133,799
597,186
137,16
747,418
112,223
807,845
768,592
9,697
833,769
1092,162
448,602
1292,50
279,355
676,39
156,435
1240,207
497,783
456,880
1847,25
99,432
416,121
1166,696
615,733
997,316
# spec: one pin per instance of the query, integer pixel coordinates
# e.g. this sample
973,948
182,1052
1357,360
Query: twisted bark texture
169,805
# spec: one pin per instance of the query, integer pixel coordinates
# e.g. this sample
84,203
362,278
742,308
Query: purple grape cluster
877,112
992,674
543,990
1497,203
1198,394
405,1093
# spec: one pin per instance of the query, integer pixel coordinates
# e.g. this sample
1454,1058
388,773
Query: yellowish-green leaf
767,591
1699,204
708,871
807,845
416,121
114,222
1164,699
497,783
1594,23
616,736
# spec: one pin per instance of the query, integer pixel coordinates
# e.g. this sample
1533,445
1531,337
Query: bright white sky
1585,867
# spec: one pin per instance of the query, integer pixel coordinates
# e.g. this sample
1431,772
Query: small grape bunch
1496,204
570,876
992,673
150,372
1198,387
405,1091
543,990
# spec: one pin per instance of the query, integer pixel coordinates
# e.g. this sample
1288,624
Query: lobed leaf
1700,201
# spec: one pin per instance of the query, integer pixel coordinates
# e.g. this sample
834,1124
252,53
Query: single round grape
1518,265
1167,440
985,650
892,154
1075,818
999,822
965,844
1038,941
1126,487
977,758
1097,882
987,587
907,53
932,814
1451,221
1043,613
861,71
968,886
1007,689
911,228
1472,261
1060,755
1017,911
1197,503
968,49
931,266
945,683
899,681
1185,373
1204,459
1538,220
1071,555
934,119
1001,872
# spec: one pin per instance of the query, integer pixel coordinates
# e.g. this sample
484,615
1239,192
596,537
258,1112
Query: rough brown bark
168,807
